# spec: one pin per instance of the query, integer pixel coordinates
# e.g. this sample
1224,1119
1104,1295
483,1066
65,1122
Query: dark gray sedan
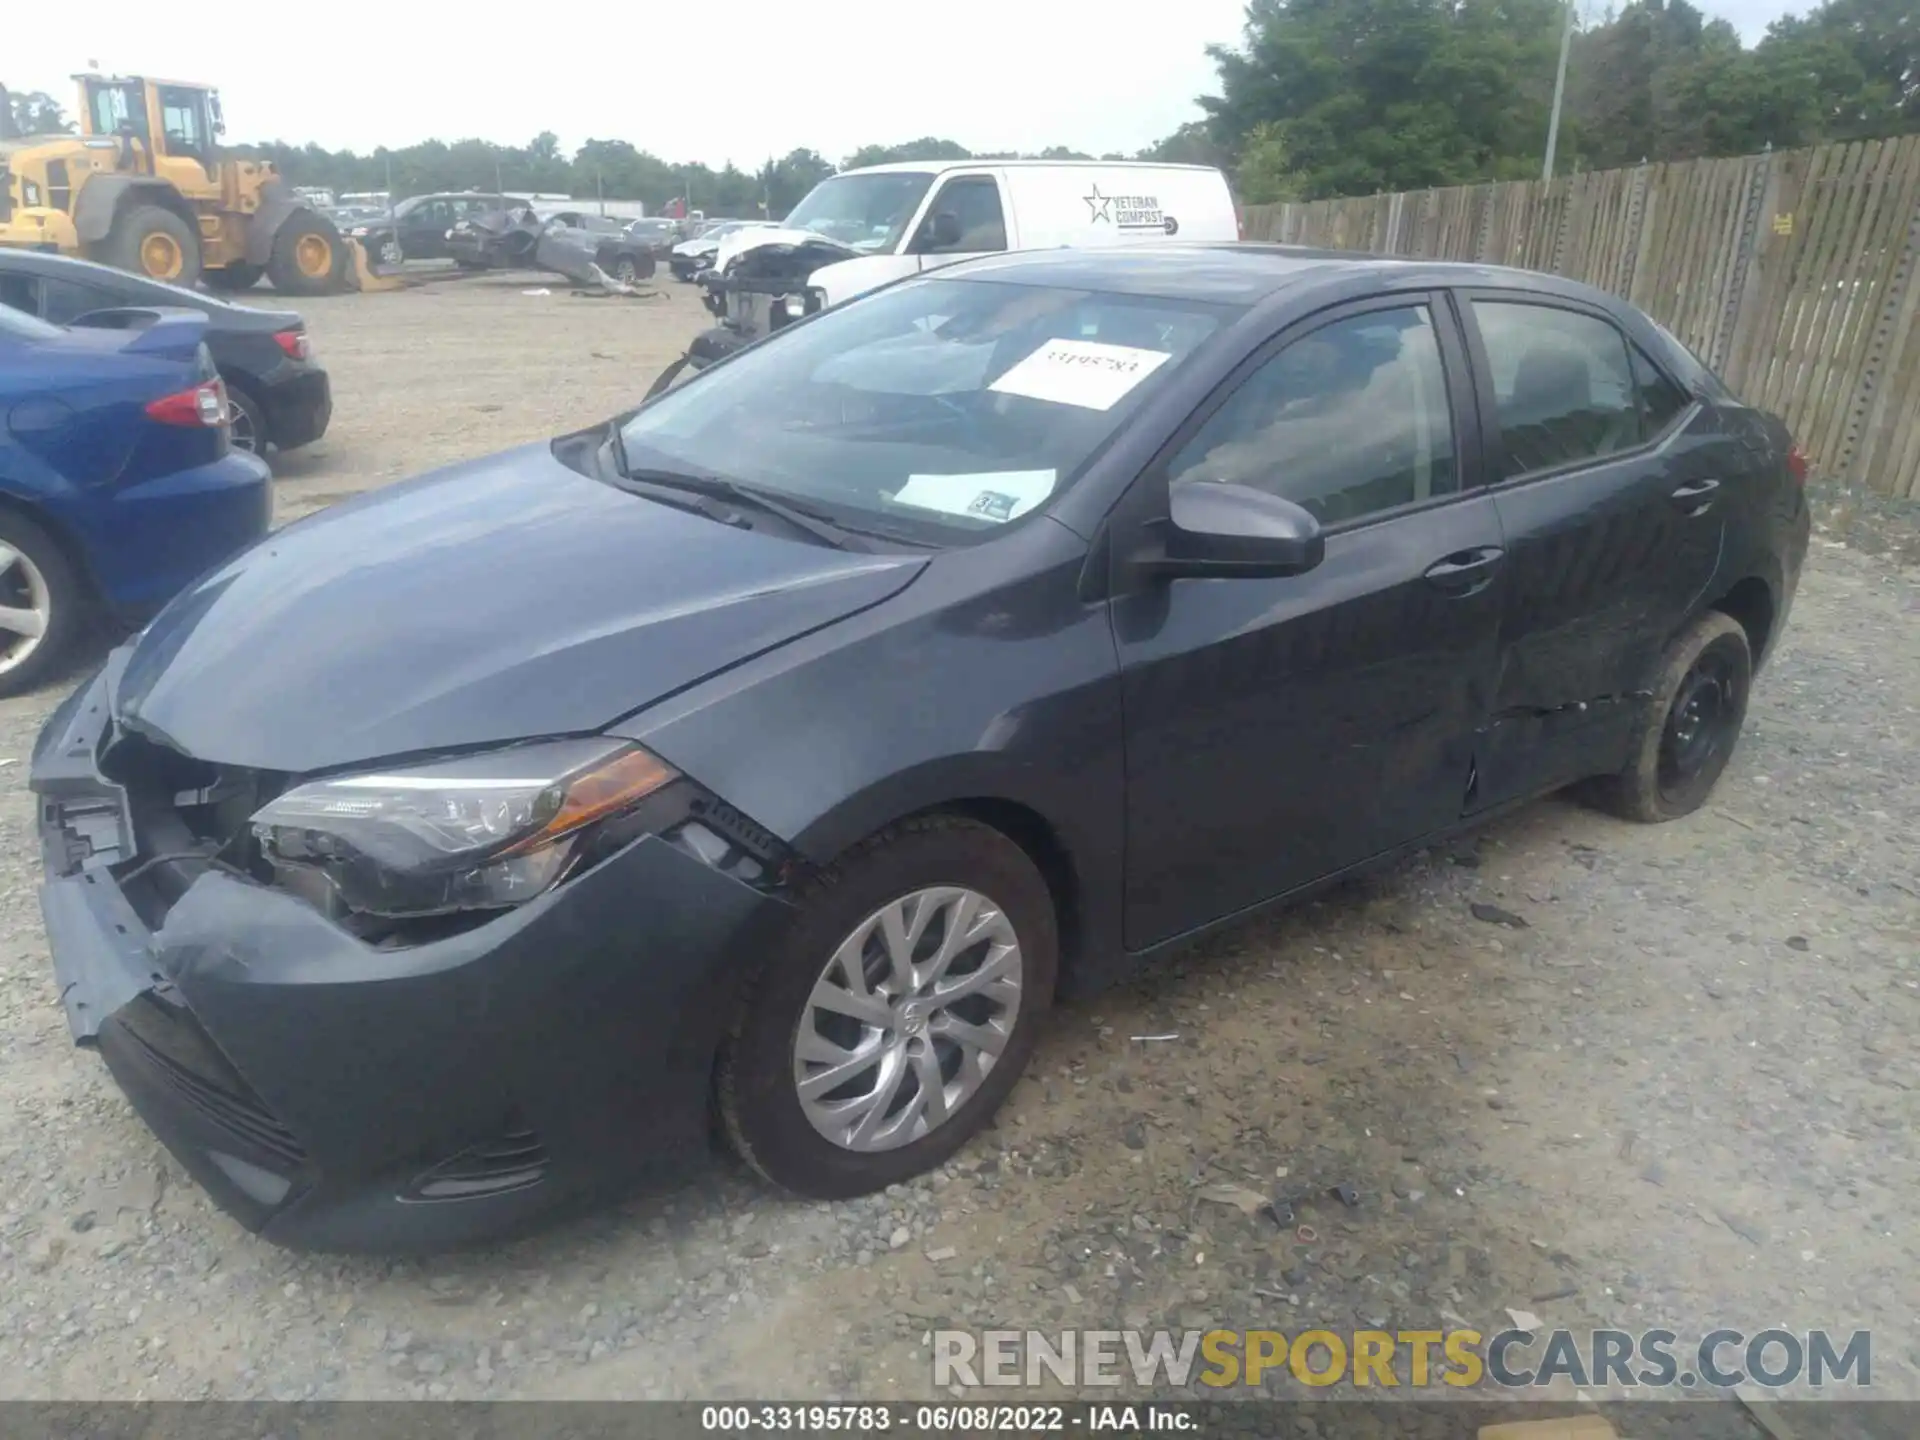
765,761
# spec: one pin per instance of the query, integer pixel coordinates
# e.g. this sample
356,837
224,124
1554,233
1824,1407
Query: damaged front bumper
338,1095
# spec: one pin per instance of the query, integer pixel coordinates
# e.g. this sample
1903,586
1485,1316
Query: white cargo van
863,228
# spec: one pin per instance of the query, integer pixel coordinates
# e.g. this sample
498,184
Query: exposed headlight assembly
478,832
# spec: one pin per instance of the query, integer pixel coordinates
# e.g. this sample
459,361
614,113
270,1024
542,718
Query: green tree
31,112
925,148
1370,95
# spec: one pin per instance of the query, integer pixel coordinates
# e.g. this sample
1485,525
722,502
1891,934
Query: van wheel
156,243
1687,735
42,605
308,257
895,1015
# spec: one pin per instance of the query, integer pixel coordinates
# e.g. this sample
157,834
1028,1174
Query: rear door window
1563,385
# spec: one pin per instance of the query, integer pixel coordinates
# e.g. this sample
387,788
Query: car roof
1246,273
138,290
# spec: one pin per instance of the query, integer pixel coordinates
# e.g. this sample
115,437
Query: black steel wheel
1689,730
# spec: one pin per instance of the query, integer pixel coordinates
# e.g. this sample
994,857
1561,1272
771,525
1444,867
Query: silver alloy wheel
240,428
908,1018
26,607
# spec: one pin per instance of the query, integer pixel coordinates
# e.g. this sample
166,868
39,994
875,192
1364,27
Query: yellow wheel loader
145,187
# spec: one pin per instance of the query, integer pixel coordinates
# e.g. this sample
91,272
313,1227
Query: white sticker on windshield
998,495
1080,372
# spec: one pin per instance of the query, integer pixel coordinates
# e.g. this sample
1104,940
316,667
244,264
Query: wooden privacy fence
1795,275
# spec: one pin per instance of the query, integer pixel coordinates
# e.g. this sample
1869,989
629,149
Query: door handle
1695,497
1465,572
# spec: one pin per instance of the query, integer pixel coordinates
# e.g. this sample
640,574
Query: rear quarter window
1692,371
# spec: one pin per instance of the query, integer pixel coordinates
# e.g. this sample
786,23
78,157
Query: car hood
498,600
734,246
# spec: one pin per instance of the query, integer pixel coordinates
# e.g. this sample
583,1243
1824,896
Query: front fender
986,680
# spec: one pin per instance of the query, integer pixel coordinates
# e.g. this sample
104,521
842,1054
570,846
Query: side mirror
1223,532
942,231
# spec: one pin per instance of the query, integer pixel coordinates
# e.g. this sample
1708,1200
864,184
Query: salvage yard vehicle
690,257
117,482
276,395
778,750
568,242
863,228
418,227
145,187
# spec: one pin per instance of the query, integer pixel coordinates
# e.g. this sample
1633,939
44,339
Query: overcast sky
730,80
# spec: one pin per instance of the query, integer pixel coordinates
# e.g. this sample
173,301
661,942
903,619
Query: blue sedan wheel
39,604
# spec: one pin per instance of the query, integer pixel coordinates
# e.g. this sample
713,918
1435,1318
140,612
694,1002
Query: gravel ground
1661,1077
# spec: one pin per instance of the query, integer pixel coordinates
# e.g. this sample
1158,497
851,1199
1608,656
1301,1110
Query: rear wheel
308,257
1690,728
234,277
896,1013
42,608
247,421
624,270
154,242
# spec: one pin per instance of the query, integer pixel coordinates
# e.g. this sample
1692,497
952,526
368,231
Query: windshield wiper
747,497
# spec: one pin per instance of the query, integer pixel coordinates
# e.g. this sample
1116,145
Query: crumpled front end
343,1090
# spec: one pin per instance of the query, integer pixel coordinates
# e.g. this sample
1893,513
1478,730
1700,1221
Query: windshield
937,407
115,106
864,212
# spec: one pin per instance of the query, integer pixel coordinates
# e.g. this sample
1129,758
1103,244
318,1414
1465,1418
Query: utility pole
1559,94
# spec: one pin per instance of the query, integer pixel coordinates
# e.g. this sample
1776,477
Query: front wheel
1690,728
308,256
896,1014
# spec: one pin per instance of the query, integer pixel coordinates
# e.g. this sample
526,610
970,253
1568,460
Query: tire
35,577
1705,678
248,421
625,270
471,265
308,256
152,241
758,1078
233,278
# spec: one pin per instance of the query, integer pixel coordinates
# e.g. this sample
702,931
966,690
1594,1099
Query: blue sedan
118,480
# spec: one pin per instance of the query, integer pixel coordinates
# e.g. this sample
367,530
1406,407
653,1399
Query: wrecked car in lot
567,242
863,228
774,752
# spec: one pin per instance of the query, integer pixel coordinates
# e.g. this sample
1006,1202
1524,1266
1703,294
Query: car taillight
1797,464
295,343
202,405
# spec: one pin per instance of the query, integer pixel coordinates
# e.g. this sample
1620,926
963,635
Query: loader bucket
365,277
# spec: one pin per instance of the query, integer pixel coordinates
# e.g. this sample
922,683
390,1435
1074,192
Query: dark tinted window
1661,401
1348,420
1562,383
17,292
66,301
973,200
